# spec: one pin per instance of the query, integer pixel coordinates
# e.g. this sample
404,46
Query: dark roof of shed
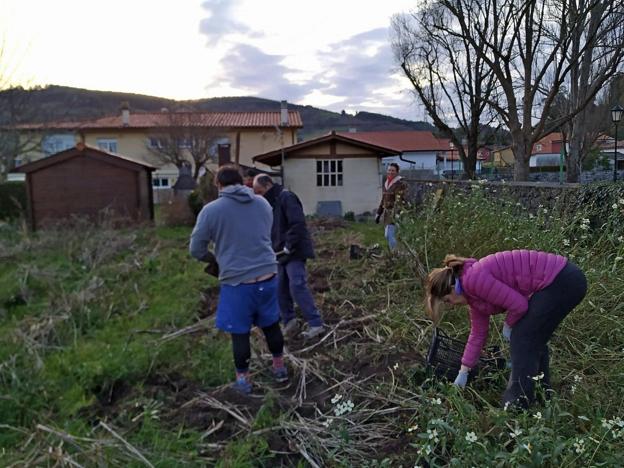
81,149
273,158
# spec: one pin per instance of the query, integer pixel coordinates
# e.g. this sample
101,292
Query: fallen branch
127,444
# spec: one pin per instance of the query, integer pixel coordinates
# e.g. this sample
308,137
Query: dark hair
252,172
228,175
395,165
264,180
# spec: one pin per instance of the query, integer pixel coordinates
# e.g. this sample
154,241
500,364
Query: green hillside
65,103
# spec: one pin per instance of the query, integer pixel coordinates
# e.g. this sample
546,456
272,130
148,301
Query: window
107,144
160,182
538,147
155,142
52,144
329,173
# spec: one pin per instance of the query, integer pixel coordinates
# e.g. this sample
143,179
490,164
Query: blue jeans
390,234
293,287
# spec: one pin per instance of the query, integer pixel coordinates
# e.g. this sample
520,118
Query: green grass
83,313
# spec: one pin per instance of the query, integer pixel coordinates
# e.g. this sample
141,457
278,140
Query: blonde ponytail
440,283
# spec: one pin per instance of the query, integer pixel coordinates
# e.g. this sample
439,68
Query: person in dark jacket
392,199
293,244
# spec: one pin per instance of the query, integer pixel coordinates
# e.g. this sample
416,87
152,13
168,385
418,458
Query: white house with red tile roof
419,149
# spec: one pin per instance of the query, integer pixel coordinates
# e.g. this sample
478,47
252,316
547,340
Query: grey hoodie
239,223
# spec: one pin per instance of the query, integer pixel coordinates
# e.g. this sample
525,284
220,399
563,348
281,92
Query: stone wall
530,194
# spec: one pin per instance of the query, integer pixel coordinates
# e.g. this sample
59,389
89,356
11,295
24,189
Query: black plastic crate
445,353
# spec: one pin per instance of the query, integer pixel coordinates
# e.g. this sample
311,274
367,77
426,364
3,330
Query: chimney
284,114
125,113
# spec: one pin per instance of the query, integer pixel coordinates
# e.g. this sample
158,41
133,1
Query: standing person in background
239,223
249,177
393,195
291,238
537,289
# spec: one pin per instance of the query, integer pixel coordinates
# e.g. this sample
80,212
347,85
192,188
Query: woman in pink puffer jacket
537,289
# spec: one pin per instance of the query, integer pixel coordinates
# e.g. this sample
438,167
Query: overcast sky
330,54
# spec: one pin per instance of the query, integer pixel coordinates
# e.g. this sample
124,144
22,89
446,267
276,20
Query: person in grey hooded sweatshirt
239,223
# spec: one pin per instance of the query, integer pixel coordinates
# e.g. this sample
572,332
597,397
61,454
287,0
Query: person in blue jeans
239,223
392,199
292,241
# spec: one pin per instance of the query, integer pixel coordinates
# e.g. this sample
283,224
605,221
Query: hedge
12,200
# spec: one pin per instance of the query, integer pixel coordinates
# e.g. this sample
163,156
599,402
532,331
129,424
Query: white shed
332,174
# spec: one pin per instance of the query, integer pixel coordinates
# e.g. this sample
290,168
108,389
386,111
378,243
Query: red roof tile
176,119
403,141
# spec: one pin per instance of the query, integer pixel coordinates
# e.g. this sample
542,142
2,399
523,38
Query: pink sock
278,362
242,375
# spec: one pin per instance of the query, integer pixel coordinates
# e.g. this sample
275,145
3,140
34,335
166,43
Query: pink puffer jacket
499,282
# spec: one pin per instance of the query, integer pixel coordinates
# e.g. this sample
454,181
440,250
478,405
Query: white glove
461,379
507,331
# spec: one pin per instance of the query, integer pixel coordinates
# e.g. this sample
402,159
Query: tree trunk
575,155
521,164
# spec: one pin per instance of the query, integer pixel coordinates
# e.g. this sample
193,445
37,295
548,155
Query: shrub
12,200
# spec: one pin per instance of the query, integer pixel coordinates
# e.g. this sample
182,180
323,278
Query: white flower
471,437
585,220
413,428
579,446
336,399
566,242
614,206
396,366
527,447
436,401
621,201
608,425
585,227
343,408
538,415
506,406
515,433
327,422
577,378
433,435
424,450
621,238
538,377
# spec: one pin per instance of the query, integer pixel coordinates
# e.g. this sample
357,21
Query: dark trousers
529,338
242,348
293,287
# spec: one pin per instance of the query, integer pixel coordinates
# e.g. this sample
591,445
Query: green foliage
582,425
12,200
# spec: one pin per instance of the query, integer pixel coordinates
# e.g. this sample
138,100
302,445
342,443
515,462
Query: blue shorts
242,306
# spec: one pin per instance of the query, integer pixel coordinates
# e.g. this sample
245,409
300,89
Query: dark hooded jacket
289,226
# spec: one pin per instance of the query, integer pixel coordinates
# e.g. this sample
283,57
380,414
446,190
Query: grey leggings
529,338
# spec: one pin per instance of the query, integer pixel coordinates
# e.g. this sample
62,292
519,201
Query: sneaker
311,332
291,327
242,385
280,374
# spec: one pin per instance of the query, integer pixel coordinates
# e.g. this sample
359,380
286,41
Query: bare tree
184,138
451,80
530,47
602,43
17,107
